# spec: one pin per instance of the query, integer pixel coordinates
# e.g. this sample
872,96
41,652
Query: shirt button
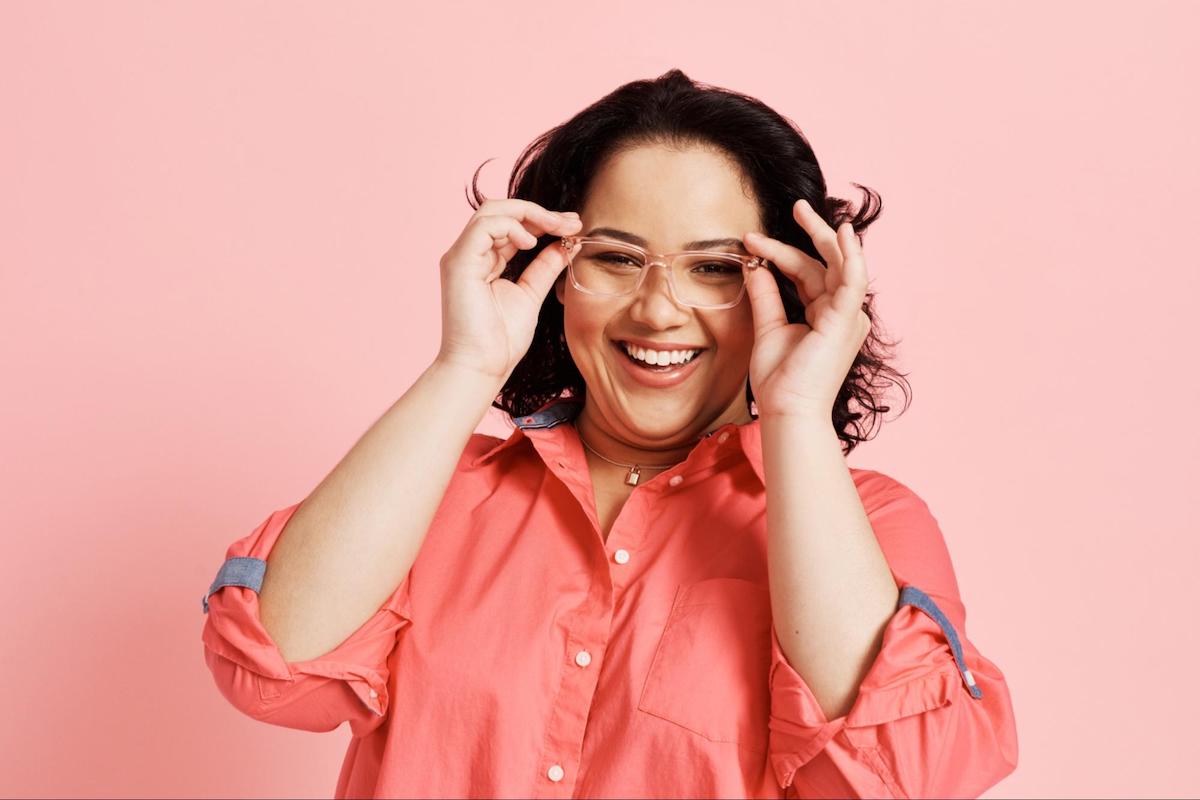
555,773
723,436
374,693
621,556
583,658
675,480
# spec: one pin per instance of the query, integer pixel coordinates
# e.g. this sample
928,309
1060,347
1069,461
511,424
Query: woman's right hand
488,321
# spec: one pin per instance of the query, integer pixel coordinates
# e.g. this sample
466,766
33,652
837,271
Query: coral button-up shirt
525,656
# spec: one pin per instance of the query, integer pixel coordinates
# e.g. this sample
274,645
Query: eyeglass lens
705,279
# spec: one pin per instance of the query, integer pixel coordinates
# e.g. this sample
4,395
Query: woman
666,581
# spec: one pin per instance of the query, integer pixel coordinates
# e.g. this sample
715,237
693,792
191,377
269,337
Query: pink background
219,232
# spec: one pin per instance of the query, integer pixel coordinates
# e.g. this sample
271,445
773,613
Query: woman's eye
616,258
719,267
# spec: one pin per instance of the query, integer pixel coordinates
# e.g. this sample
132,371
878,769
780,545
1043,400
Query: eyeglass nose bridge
667,263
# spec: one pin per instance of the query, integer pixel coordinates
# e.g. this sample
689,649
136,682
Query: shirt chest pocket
710,670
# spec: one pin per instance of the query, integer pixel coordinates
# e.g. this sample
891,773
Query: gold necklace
631,477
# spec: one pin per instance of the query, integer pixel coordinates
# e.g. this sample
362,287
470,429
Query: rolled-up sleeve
350,683
933,716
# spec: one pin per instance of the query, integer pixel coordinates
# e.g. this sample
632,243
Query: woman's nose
654,302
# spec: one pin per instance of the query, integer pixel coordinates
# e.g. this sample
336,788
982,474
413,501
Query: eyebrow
699,244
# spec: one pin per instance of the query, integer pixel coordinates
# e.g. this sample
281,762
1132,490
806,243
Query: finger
556,228
477,253
566,228
824,239
506,235
806,272
543,271
848,299
534,217
766,305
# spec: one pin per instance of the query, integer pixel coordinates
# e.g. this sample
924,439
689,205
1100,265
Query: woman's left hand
797,370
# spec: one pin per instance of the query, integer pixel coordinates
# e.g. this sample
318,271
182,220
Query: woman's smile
656,376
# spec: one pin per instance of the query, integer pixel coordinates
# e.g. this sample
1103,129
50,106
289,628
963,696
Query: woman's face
667,198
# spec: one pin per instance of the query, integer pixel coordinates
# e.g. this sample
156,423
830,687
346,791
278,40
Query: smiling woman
666,581
673,164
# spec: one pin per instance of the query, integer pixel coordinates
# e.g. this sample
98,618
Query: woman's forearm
832,592
354,538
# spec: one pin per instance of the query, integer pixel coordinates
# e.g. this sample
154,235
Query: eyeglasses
697,278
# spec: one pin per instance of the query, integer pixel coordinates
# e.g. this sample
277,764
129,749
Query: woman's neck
597,436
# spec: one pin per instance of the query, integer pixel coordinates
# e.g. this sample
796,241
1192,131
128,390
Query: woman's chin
659,417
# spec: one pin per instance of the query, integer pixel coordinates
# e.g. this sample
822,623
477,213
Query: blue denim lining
911,595
562,409
556,411
238,571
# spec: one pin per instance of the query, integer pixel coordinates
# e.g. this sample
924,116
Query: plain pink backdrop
219,232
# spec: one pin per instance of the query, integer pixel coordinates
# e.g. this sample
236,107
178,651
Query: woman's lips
657,380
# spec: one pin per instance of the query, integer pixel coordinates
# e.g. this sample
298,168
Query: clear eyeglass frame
665,260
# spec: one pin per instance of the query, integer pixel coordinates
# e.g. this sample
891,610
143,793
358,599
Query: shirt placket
590,628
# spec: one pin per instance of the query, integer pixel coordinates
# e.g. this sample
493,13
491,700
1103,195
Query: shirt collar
541,425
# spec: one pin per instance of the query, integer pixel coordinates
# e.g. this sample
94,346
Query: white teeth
657,357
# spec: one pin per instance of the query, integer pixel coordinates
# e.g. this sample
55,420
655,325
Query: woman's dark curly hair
556,169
